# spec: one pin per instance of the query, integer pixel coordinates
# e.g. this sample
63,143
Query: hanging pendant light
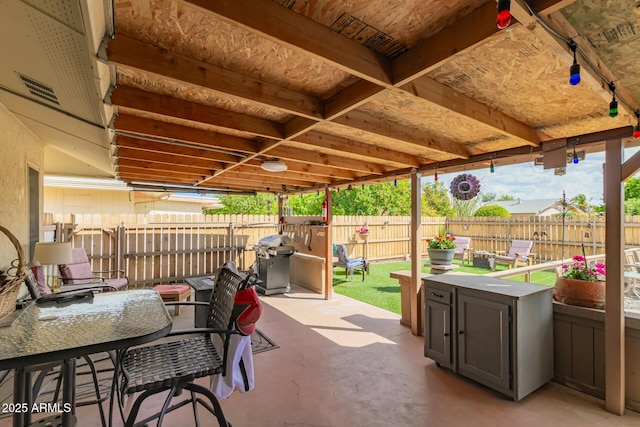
574,70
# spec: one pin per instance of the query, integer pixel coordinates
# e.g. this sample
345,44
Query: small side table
484,259
441,268
174,293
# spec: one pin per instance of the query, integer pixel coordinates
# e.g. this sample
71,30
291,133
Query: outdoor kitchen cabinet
496,332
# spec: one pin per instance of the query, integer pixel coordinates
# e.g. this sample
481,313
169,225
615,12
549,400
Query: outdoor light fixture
492,167
636,130
435,176
504,14
575,156
52,254
274,165
613,105
574,71
395,181
349,187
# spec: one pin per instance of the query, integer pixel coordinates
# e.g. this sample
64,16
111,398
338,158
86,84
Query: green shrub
492,210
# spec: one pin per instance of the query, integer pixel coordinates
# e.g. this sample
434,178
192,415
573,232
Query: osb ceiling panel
420,116
611,28
166,86
184,30
381,141
515,72
384,25
344,154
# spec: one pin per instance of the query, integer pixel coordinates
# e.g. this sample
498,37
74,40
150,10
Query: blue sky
527,182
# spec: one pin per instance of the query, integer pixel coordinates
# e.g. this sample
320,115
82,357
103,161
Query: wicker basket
9,290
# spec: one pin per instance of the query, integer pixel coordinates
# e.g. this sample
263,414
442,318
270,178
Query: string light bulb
435,176
574,70
395,181
504,14
575,156
492,167
636,130
613,105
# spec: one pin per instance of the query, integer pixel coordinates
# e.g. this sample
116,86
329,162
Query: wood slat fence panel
153,251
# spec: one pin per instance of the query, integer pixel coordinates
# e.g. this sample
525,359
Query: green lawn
381,290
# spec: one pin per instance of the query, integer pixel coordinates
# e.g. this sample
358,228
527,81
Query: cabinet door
437,333
483,339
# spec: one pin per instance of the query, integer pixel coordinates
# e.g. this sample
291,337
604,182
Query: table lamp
52,254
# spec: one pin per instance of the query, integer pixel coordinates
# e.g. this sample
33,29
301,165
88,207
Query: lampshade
274,165
53,253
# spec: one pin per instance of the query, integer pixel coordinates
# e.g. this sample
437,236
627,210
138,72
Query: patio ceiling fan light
274,165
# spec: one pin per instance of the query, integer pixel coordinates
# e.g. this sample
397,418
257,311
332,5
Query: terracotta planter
579,292
441,256
364,236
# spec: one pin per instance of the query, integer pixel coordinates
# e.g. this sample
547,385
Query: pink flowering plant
579,269
442,241
362,230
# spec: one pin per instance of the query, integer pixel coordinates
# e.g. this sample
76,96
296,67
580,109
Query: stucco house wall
19,150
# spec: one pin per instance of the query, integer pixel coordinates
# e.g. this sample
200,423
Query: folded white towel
239,369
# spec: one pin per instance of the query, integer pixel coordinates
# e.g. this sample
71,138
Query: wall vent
39,89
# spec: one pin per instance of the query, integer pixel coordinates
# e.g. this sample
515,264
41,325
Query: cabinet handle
433,294
460,332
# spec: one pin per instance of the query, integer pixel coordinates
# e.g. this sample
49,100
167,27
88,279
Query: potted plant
581,284
441,249
363,232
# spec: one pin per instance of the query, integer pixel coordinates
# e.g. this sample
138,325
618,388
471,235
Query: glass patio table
63,331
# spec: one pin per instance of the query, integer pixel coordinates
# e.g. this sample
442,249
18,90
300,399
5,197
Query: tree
580,201
492,210
259,204
467,207
632,189
437,201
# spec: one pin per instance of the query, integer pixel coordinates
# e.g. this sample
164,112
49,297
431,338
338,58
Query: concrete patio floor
345,363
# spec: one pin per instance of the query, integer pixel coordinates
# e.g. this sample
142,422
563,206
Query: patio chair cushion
41,281
82,271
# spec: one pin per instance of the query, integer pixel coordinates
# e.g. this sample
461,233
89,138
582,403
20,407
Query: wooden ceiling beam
271,179
138,99
155,166
588,76
122,169
171,147
286,27
168,159
324,172
143,56
288,174
322,159
159,129
155,177
220,184
459,103
443,46
383,155
368,123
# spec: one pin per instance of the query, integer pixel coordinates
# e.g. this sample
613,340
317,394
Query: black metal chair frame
152,369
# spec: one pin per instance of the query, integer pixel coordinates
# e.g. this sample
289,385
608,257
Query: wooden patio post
328,248
416,253
614,342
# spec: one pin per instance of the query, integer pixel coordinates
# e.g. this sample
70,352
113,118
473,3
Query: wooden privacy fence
169,248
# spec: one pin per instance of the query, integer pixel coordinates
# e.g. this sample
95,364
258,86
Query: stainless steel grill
272,253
